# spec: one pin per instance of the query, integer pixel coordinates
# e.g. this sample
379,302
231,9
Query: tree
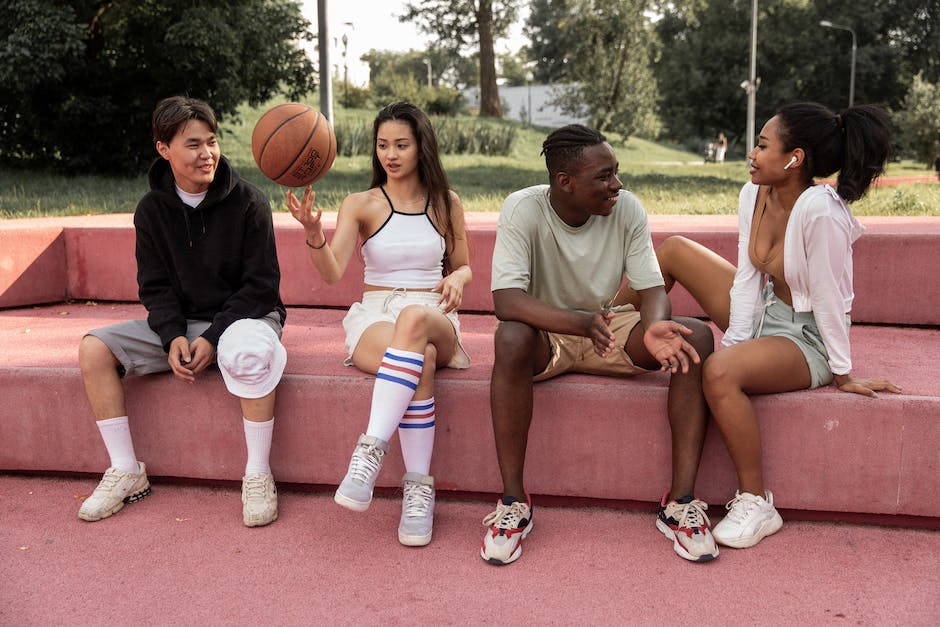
78,79
457,25
919,121
705,56
602,49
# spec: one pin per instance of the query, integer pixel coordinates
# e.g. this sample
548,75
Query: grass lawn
666,179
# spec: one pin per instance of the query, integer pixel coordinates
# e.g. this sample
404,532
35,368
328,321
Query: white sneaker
506,528
259,500
686,524
750,519
355,491
115,489
417,509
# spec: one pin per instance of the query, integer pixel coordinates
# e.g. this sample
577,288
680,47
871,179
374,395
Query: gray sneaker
417,509
115,489
355,492
259,500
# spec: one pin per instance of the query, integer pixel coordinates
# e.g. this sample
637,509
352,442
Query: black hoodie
215,262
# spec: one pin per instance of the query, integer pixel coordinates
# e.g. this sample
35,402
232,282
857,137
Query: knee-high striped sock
395,385
416,436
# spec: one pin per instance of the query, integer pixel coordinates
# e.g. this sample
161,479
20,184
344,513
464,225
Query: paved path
182,557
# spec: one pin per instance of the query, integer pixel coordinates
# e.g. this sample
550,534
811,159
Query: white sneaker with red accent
686,524
506,527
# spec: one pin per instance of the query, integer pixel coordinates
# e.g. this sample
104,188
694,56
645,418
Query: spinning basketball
293,144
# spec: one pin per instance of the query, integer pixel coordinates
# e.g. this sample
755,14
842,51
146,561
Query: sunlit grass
666,178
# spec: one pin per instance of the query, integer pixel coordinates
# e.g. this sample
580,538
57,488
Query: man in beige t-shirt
562,252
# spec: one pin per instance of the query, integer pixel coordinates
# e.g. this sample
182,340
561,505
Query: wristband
311,246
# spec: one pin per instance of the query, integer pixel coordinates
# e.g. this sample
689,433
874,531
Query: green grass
666,178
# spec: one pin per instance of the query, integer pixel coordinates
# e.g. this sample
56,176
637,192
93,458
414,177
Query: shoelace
507,515
109,481
365,462
693,515
740,507
254,487
417,499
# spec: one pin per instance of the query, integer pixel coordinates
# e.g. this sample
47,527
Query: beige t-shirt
576,268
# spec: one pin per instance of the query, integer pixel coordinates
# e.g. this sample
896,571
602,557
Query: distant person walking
936,166
721,146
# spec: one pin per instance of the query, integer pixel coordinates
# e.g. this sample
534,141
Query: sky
370,24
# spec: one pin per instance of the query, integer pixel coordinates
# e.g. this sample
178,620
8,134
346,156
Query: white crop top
406,251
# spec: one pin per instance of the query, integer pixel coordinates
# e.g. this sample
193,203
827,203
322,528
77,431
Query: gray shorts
780,320
139,349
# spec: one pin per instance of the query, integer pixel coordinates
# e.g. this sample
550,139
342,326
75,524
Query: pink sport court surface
182,557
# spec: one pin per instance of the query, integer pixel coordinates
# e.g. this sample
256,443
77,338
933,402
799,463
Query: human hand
451,290
187,360
865,387
179,357
303,212
600,333
664,341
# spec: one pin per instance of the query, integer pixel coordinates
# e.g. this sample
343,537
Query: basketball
293,144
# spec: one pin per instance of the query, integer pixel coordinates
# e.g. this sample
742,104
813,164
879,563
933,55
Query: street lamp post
828,24
529,77
427,62
345,72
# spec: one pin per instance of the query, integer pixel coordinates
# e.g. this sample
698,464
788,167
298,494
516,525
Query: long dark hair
430,170
855,143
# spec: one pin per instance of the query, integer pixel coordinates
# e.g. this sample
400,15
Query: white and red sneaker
506,528
685,523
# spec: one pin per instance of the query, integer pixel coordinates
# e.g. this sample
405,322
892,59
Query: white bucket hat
251,358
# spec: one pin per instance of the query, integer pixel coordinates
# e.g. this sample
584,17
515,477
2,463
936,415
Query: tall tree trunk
490,105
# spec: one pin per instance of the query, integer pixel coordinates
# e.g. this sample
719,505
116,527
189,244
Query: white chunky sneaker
115,489
506,528
417,509
750,519
259,500
355,492
686,524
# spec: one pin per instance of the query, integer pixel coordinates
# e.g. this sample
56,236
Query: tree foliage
603,49
79,79
918,121
461,25
705,57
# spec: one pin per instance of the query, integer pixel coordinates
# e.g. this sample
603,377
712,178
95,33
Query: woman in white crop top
790,331
416,266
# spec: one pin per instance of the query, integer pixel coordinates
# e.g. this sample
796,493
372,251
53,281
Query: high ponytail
855,144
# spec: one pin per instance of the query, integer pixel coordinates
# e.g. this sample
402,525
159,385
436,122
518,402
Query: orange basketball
293,144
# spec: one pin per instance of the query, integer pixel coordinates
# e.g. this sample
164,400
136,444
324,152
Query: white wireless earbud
790,164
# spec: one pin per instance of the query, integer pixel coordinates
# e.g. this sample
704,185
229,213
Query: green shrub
354,97
454,136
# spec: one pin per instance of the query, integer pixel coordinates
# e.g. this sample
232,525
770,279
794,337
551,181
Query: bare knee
516,344
94,355
412,324
702,338
718,378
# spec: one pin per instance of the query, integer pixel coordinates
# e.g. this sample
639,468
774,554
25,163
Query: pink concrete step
92,258
591,437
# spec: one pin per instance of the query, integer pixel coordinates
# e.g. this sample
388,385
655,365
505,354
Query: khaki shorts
573,353
385,306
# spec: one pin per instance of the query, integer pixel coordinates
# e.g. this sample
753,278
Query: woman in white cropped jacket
785,307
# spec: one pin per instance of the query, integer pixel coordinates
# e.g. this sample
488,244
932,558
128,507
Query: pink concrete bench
825,450
55,259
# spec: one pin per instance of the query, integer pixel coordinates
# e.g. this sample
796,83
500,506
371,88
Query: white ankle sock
416,436
116,433
395,385
258,436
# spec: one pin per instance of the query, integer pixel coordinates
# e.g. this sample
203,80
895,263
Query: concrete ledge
895,282
824,450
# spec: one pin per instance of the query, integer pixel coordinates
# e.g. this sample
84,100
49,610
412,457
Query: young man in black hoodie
208,275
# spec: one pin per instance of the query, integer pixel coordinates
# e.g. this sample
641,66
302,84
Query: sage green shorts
780,320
